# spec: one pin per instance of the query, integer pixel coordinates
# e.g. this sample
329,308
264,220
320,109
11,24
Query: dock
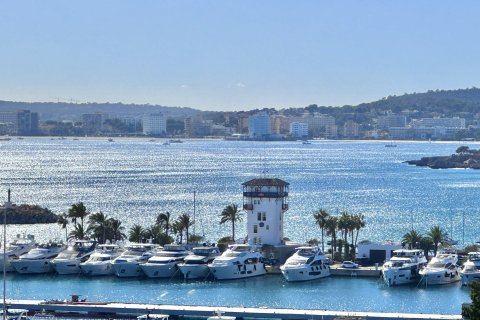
112,309
337,270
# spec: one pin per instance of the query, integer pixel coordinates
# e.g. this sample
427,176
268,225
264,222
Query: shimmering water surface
135,179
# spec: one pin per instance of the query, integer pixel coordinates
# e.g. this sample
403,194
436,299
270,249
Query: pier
109,309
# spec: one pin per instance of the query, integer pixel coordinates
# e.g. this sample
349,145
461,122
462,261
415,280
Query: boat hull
304,273
156,270
230,272
194,271
32,266
127,269
468,277
440,277
97,269
65,267
8,265
395,277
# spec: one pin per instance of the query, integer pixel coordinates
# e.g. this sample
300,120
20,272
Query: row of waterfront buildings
257,126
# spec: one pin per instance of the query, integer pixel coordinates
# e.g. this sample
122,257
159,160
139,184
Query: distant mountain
73,111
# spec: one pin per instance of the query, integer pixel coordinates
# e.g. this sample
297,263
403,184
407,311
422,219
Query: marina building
154,124
265,201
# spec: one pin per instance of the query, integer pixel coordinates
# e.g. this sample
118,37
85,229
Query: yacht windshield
204,252
170,254
231,254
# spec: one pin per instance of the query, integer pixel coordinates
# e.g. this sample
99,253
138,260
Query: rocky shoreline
29,214
465,159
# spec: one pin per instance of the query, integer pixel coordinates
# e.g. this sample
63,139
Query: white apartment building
299,129
454,122
259,126
154,124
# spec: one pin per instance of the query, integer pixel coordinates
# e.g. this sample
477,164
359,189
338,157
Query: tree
358,224
186,223
321,219
157,235
231,214
98,226
438,236
136,233
331,227
178,229
78,210
472,311
462,149
345,224
116,229
411,238
426,244
63,221
163,220
78,233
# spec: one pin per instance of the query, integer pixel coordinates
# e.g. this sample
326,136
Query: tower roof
265,182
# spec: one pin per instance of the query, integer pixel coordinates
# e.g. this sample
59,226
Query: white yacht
15,248
163,264
195,265
100,262
238,261
442,269
471,268
128,263
307,263
403,267
37,260
68,261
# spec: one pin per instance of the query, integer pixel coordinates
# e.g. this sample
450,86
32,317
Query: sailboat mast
194,205
5,208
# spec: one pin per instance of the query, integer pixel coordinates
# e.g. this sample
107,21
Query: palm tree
345,225
163,220
358,223
157,235
331,227
186,223
438,235
412,238
231,214
116,230
63,221
98,226
78,233
136,233
426,245
321,219
178,228
78,210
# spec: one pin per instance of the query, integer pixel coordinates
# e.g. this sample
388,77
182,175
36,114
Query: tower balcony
265,194
248,206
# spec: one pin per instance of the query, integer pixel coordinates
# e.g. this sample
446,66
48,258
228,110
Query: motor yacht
128,263
403,267
163,264
99,263
307,263
471,268
195,265
68,261
37,260
238,261
442,269
19,245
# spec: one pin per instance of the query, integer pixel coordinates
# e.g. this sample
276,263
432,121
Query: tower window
255,228
259,216
267,227
264,216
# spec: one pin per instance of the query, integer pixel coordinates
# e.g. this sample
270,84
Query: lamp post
5,208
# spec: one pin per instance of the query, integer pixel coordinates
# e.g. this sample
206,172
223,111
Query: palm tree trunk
323,245
233,231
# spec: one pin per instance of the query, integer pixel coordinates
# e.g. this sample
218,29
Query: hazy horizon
231,56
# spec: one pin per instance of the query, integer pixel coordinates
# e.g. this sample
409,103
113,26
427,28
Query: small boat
219,315
442,269
128,263
195,265
307,263
403,267
37,260
390,145
99,263
111,140
306,142
68,261
18,246
238,261
5,139
154,316
163,264
175,141
471,268
15,314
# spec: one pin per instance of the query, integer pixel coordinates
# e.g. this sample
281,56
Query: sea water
135,179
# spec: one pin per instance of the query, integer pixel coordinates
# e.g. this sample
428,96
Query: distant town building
259,126
154,124
319,125
21,122
351,129
92,123
299,130
454,122
391,120
188,127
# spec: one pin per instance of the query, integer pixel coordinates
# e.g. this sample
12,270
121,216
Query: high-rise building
351,129
92,123
21,122
259,126
154,124
299,129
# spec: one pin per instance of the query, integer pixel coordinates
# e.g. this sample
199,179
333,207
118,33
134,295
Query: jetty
114,309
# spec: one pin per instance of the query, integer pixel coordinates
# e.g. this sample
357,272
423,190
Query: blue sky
235,55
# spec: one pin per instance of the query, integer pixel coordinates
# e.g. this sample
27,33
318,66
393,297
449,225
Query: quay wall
204,311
